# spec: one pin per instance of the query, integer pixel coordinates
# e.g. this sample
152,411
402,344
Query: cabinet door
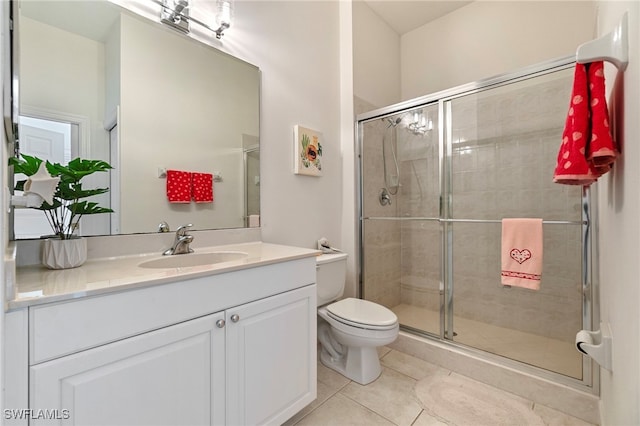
271,358
171,376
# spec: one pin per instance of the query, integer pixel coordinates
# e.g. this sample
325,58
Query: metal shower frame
590,287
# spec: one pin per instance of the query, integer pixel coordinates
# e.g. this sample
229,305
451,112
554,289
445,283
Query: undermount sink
197,259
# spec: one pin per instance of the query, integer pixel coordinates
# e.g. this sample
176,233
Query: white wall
619,233
376,57
61,72
350,221
296,45
487,38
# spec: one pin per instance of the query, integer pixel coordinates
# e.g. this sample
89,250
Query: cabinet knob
220,323
235,318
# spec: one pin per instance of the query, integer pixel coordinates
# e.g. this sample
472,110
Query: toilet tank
331,273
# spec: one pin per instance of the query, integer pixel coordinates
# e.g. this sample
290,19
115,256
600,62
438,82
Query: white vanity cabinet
170,376
235,348
271,358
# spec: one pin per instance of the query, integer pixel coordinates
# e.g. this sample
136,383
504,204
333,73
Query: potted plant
64,249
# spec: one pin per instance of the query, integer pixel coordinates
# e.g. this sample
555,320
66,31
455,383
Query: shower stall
437,175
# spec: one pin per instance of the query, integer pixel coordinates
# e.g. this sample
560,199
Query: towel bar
612,47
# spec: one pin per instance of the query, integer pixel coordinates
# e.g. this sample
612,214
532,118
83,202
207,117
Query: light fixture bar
176,14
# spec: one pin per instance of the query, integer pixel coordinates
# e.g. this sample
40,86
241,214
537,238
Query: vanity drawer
63,328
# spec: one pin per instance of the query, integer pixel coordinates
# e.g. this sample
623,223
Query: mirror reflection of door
251,151
114,174
252,179
49,140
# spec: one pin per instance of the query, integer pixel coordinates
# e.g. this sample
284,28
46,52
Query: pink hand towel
178,186
587,150
202,187
522,252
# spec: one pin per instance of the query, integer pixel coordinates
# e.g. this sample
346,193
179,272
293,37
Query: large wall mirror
99,82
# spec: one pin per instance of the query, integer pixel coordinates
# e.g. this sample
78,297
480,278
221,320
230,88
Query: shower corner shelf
612,47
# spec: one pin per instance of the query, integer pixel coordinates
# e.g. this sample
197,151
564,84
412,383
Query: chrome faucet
182,241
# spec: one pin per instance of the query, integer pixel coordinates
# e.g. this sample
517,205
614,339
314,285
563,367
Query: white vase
64,254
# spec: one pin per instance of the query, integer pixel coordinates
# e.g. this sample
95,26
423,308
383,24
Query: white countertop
36,285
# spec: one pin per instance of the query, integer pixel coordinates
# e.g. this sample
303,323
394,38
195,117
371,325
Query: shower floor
550,354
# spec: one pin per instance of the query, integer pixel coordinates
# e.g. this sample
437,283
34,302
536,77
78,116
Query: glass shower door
437,178
401,231
501,150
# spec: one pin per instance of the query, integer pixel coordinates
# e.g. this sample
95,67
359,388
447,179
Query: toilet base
360,364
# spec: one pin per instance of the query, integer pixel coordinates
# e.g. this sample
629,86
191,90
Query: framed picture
307,158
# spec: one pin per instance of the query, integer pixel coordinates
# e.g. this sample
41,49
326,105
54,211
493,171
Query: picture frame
307,159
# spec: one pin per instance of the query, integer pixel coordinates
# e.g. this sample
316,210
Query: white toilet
350,330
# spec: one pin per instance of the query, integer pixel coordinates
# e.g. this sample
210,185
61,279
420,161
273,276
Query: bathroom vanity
232,342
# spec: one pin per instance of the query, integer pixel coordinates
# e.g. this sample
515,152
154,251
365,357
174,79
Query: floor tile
390,395
331,378
553,417
411,366
462,401
411,391
426,419
324,393
340,410
383,350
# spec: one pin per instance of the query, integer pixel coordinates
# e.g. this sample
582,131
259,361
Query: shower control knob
220,323
235,318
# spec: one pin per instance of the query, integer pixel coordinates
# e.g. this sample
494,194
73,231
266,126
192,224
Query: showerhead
393,122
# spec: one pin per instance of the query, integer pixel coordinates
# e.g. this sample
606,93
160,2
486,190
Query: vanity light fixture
176,14
224,15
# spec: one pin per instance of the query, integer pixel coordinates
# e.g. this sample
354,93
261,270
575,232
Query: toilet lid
362,312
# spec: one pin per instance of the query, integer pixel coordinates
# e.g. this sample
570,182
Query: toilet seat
362,314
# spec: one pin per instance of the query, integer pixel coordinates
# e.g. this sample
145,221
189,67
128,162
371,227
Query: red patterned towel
202,187
601,151
587,150
178,186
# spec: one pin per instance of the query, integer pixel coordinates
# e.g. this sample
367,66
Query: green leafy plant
67,208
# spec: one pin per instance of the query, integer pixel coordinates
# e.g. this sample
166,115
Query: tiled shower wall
382,243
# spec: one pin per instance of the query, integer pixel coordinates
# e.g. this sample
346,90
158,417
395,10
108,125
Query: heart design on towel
520,255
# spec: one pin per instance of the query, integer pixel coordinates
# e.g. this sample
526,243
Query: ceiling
406,15
90,19
401,15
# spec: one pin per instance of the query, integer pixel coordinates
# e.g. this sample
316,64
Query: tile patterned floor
414,392
550,354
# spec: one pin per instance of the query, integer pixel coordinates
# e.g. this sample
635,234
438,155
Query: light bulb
224,13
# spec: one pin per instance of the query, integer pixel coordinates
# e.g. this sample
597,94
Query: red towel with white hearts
521,255
587,150
178,186
202,187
